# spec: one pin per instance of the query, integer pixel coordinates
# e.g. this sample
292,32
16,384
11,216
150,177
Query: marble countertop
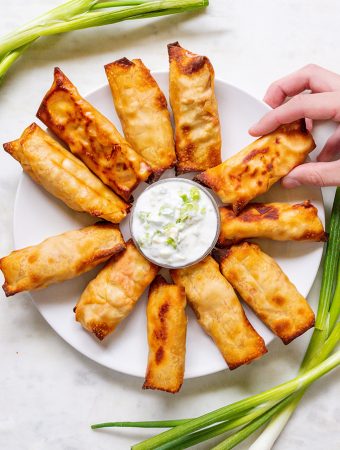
49,392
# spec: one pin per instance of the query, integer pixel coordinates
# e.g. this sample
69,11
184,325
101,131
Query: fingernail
290,182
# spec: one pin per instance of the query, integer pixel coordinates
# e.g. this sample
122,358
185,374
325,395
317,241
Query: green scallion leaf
168,226
143,215
185,198
171,241
79,14
195,194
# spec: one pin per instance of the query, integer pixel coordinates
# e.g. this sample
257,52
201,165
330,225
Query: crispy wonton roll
277,221
194,106
267,290
112,295
65,176
253,170
143,113
219,312
92,137
60,258
167,327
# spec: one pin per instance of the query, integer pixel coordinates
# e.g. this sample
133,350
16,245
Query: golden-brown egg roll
143,113
219,312
65,176
194,106
277,221
253,170
167,327
60,257
111,296
92,137
267,290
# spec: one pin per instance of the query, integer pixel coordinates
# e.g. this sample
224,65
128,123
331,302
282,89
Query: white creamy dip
175,222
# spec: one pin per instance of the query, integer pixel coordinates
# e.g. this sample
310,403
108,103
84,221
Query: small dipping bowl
186,200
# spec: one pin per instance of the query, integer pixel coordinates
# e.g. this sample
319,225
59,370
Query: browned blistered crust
219,312
111,296
65,176
277,221
267,290
123,62
60,257
253,170
92,137
194,106
167,325
143,112
156,174
188,62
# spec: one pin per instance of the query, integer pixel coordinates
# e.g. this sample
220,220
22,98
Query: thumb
314,174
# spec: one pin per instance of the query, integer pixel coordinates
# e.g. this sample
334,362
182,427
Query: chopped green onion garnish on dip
174,222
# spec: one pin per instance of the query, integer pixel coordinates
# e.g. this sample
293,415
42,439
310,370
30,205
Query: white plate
38,215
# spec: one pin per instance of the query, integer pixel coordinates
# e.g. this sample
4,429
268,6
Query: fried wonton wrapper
167,327
194,106
64,175
60,257
267,290
143,113
92,137
253,170
111,296
277,221
219,312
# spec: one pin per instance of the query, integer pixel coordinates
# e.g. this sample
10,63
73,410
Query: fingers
331,150
311,77
312,106
309,124
314,174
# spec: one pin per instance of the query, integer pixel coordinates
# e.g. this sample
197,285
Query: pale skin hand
322,103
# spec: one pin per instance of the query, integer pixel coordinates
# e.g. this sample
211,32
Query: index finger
312,77
313,106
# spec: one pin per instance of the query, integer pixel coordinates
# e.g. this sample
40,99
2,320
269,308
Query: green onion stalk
273,407
326,327
78,14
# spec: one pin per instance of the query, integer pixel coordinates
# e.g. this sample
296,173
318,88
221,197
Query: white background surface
49,394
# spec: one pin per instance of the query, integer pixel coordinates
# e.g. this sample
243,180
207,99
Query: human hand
322,103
